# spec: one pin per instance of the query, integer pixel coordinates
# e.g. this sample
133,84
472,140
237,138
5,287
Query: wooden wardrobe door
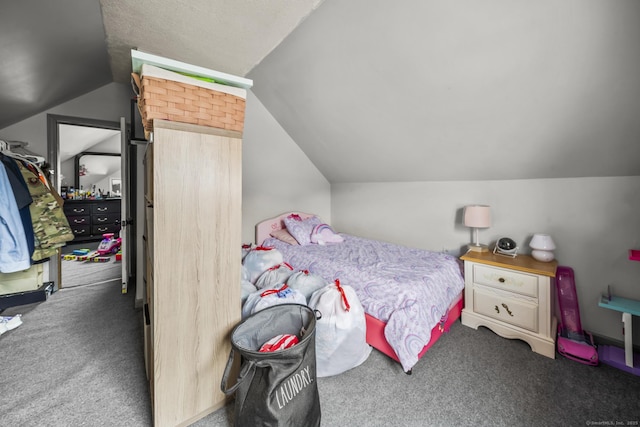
197,196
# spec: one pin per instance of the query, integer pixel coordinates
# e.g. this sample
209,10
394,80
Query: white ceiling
77,139
224,35
416,90
54,51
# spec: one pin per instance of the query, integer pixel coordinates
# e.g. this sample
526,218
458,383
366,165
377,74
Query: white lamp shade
542,242
477,216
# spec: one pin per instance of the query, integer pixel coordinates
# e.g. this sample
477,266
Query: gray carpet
77,360
79,273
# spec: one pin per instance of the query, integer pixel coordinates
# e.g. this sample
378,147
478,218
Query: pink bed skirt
376,339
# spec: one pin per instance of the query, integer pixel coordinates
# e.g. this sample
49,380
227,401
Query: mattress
409,289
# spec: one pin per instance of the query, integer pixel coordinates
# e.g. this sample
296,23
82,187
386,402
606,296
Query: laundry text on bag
292,387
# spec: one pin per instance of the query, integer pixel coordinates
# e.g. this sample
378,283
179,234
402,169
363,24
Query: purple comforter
409,289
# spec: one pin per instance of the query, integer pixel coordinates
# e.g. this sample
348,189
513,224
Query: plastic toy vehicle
109,244
573,342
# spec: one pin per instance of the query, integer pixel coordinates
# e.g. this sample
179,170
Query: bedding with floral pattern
409,289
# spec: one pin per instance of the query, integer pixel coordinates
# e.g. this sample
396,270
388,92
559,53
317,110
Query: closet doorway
91,173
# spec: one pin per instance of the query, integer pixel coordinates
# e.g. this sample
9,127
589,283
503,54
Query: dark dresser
90,219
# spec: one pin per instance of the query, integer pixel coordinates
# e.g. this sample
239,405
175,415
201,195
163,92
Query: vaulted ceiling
415,90
54,51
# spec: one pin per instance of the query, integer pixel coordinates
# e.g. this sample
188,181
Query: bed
410,296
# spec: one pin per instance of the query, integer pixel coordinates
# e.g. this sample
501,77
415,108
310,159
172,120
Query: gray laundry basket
276,388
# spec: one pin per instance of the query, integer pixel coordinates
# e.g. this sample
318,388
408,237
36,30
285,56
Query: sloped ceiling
81,138
52,52
225,35
461,90
371,91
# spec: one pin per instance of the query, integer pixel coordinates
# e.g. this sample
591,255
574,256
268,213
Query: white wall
593,221
110,102
277,175
385,91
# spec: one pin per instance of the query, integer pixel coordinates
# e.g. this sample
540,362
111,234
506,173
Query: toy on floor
573,342
73,256
109,245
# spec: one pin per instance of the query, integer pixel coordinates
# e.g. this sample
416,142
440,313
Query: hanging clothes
14,250
50,225
22,196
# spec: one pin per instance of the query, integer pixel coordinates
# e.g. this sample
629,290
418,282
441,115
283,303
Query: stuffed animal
323,234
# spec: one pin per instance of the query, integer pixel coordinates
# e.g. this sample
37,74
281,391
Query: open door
125,234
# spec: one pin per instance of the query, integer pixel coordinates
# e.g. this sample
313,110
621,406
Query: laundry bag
278,274
274,295
246,289
306,282
275,388
244,273
246,248
260,259
341,329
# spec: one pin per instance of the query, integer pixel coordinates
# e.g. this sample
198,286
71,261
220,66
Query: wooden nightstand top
521,262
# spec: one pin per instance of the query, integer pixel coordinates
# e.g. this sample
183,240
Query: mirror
67,137
98,173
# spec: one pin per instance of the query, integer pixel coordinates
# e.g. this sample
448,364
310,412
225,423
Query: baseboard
602,340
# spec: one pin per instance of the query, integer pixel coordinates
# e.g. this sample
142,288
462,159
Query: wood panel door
197,196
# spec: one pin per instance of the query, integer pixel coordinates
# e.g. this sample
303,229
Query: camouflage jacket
50,226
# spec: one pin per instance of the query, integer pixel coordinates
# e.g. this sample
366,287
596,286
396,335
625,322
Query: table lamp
477,216
543,246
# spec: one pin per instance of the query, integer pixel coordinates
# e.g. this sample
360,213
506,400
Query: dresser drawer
101,219
79,220
106,207
509,280
73,209
81,230
99,230
500,306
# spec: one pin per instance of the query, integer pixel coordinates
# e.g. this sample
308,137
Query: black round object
506,244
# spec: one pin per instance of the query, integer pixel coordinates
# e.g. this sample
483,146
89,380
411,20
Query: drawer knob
501,280
506,307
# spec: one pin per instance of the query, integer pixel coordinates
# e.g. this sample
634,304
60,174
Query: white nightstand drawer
508,310
509,280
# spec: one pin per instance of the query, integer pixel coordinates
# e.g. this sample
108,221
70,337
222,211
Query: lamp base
542,256
478,248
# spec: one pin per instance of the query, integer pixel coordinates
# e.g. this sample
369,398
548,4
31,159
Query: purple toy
573,342
109,244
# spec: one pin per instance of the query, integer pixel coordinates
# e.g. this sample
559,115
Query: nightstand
514,297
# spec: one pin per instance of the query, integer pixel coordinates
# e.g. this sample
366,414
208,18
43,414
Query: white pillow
284,236
300,228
